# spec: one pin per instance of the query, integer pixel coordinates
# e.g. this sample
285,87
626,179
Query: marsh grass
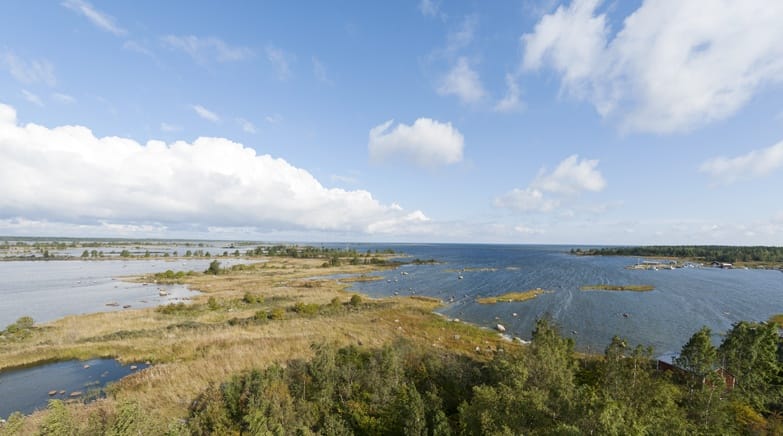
260,315
633,288
513,297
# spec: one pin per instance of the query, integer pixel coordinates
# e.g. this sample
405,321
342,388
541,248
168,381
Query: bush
58,421
212,304
214,268
356,300
277,313
305,309
250,298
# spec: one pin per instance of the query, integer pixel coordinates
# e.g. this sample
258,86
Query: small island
632,288
719,256
513,297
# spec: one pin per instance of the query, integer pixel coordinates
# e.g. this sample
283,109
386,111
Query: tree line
544,388
709,253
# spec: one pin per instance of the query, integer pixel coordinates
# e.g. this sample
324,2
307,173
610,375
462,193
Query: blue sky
581,121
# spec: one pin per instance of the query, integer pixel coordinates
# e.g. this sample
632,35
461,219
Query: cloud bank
426,143
68,175
571,177
757,163
674,65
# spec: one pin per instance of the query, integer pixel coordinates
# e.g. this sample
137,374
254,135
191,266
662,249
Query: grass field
270,312
512,297
633,288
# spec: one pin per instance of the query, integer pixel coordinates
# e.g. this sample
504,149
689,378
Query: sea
683,300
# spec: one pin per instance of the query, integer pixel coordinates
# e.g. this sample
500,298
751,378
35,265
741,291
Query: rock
62,392
133,367
52,393
86,366
75,394
500,328
456,337
148,363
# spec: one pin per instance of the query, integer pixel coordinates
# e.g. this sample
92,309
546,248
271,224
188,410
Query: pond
29,389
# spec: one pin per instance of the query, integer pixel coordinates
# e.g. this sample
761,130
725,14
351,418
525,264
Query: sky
533,122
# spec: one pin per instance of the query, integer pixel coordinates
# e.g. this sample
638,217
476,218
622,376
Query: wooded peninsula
701,253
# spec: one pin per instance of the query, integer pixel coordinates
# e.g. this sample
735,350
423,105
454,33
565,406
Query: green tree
704,404
214,268
750,353
698,356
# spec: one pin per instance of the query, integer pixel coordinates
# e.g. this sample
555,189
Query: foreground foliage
542,389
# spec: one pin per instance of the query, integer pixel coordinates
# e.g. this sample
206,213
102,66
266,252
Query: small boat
459,277
162,292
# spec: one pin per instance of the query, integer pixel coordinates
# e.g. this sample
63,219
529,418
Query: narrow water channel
29,389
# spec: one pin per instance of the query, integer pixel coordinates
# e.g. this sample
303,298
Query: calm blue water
27,389
683,299
48,290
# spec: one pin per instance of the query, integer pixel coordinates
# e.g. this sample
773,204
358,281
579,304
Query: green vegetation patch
513,297
632,288
777,319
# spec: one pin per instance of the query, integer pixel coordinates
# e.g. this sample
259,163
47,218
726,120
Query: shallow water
27,389
48,290
683,300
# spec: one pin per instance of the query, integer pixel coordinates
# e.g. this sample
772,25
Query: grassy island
513,297
632,288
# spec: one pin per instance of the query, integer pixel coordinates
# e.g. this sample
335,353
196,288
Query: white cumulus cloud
757,163
571,176
426,143
672,66
68,175
462,81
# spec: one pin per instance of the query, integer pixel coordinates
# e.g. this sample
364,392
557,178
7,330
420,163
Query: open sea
683,301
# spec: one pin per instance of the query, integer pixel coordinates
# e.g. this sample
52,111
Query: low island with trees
751,256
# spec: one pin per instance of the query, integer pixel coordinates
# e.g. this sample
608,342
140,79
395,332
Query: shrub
212,304
277,313
58,421
250,298
356,300
305,309
214,267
